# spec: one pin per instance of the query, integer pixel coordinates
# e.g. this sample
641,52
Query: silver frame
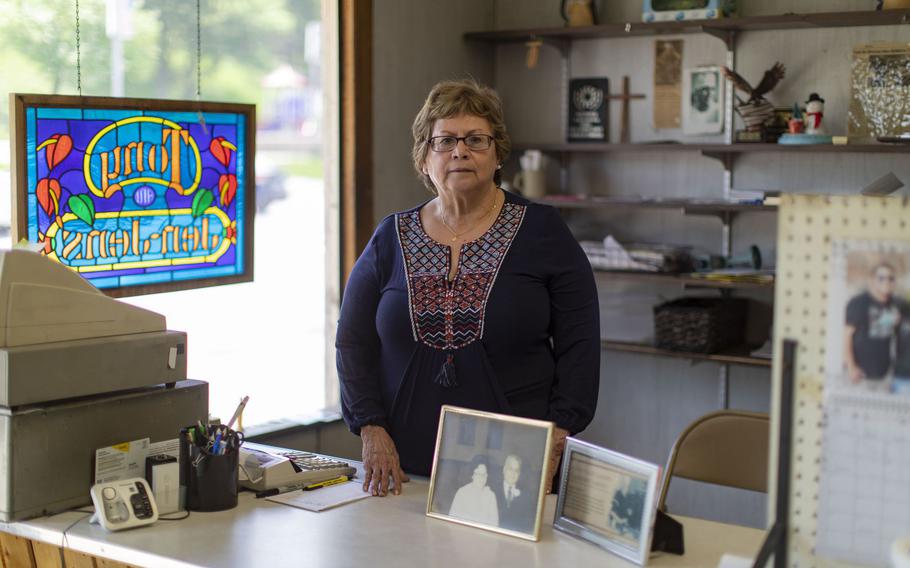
626,464
544,480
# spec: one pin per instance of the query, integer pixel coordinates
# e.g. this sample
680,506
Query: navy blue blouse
519,323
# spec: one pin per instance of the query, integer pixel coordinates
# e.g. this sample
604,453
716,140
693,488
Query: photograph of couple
868,344
495,498
488,472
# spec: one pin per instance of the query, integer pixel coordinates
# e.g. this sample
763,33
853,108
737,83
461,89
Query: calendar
864,491
843,294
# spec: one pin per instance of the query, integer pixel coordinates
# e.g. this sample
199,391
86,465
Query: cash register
78,371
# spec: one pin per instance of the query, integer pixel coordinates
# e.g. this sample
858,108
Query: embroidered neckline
450,314
448,246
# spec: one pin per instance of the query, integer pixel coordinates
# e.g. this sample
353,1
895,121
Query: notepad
323,498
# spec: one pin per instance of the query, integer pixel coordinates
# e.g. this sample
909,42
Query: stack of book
755,196
737,276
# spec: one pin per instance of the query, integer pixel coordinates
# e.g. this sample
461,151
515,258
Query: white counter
373,532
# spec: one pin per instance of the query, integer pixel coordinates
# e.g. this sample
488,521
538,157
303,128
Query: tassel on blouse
446,377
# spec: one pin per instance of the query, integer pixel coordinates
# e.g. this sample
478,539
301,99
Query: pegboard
816,233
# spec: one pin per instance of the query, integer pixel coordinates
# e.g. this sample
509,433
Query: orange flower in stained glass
227,188
221,150
48,194
57,148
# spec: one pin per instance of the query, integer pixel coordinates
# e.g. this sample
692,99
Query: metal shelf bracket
726,159
726,36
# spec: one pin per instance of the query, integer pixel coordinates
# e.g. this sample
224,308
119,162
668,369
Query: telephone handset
124,504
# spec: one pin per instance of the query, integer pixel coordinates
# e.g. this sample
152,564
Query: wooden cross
625,97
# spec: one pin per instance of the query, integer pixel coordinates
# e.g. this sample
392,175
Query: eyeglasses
472,141
885,277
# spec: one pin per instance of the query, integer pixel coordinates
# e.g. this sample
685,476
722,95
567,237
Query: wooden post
356,130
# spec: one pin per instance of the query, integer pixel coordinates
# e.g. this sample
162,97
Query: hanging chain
198,53
78,54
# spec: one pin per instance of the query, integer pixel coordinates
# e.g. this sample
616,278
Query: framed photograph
136,195
664,10
608,498
703,100
489,471
867,342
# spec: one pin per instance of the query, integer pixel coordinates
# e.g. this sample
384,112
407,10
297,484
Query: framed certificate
608,498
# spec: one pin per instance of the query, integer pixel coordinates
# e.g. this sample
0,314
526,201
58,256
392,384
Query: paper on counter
324,497
732,561
121,461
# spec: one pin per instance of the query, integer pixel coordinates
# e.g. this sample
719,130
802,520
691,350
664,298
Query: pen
217,442
304,487
339,479
279,490
237,412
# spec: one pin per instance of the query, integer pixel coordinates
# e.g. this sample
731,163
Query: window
265,339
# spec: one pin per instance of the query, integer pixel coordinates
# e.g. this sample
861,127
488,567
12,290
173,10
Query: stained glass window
152,196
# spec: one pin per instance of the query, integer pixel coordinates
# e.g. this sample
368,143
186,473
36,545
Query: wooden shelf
580,147
714,27
679,279
687,206
736,356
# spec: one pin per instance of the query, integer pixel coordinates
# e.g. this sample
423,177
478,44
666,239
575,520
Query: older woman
475,501
476,298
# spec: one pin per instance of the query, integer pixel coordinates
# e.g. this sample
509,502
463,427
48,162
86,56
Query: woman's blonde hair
448,99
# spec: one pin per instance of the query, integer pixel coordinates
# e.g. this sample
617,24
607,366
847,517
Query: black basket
700,325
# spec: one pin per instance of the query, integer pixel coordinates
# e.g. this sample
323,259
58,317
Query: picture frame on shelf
669,10
588,109
490,471
703,100
879,76
608,499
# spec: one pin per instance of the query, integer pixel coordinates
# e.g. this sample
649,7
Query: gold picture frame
490,471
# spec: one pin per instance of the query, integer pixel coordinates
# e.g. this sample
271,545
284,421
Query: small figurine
795,124
806,126
815,110
756,109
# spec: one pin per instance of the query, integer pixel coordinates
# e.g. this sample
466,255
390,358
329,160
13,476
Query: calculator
268,467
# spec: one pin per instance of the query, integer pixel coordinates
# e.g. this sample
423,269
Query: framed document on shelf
588,118
703,89
608,498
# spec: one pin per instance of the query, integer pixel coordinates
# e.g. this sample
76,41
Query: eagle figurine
756,109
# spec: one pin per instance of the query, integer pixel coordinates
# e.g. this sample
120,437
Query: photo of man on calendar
869,293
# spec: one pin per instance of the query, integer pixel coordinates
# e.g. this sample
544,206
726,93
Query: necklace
456,235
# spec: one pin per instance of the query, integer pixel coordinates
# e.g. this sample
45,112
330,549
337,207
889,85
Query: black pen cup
208,474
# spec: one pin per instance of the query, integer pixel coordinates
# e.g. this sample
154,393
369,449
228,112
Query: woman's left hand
558,445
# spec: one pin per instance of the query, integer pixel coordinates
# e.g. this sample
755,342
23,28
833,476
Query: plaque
588,119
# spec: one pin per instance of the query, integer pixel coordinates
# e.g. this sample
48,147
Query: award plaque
588,118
